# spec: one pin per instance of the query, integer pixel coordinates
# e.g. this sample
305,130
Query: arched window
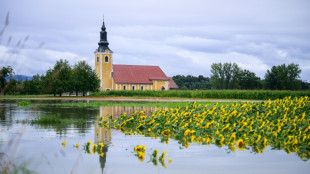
106,59
162,88
97,58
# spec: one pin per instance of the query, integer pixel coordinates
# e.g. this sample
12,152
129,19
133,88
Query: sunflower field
280,124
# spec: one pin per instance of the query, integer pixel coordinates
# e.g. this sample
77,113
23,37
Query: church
127,77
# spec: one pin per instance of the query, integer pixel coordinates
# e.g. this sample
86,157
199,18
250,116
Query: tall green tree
84,78
283,77
57,80
248,80
192,82
33,86
225,76
5,72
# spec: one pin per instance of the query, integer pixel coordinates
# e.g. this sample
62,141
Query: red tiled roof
172,84
137,74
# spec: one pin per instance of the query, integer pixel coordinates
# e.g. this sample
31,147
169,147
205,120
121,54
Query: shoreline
130,99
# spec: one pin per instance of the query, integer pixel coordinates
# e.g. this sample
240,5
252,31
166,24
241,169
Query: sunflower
64,143
187,132
94,148
240,144
142,118
155,153
192,132
123,124
141,156
166,132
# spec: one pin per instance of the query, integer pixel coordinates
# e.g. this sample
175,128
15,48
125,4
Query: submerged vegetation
209,94
281,124
23,103
53,120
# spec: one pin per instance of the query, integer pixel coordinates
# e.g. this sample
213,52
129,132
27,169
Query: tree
84,78
33,86
57,80
5,72
225,76
192,82
305,85
248,80
283,77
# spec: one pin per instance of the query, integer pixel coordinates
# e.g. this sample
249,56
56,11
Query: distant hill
19,77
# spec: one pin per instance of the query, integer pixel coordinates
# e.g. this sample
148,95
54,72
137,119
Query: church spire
103,43
103,26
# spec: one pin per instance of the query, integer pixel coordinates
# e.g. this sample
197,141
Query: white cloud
34,61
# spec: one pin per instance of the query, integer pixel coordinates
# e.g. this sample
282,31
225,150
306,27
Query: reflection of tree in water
71,113
6,112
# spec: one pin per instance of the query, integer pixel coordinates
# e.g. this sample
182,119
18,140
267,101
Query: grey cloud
183,37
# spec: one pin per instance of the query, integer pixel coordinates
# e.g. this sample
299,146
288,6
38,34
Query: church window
133,87
142,87
97,58
106,59
124,87
162,88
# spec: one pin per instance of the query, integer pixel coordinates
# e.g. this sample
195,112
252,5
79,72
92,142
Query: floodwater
38,149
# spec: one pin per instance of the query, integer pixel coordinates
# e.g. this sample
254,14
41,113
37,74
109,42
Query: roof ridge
137,65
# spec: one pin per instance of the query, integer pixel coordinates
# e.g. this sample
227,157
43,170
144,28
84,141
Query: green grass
96,104
26,96
208,94
23,103
52,119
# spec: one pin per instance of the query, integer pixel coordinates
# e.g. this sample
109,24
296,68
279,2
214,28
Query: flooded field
40,148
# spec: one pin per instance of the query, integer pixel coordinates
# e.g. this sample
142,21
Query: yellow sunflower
240,144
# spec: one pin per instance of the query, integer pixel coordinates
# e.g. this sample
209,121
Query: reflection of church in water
104,135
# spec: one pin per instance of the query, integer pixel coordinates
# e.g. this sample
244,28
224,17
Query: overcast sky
181,36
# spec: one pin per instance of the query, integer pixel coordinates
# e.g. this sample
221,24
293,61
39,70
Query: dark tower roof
103,43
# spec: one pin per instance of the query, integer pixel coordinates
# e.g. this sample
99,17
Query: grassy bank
96,104
26,96
208,94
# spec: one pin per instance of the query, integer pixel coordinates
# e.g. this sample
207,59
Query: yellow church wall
103,69
106,72
120,86
97,64
157,84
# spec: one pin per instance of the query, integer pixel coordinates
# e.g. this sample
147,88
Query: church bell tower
103,61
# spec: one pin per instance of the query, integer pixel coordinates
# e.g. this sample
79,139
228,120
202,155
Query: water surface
38,148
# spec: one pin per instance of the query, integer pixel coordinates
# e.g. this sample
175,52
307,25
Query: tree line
231,76
81,78
57,80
